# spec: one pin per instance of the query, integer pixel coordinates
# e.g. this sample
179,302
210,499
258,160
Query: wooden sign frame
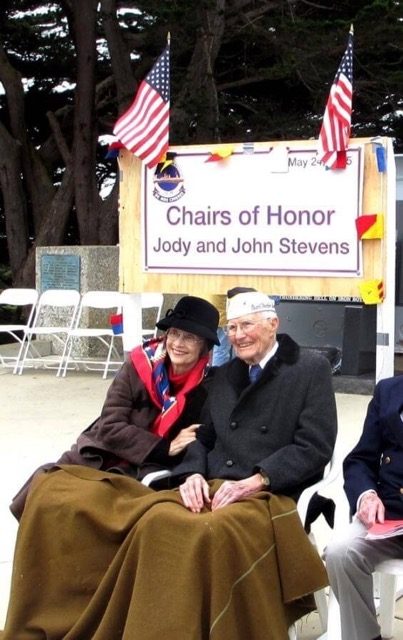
133,278
378,255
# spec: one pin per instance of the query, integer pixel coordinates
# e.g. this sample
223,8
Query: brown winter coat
121,440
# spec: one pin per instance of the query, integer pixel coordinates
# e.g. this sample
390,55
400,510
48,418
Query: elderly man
270,419
373,477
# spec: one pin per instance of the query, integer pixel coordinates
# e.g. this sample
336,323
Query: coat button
233,425
386,460
229,463
263,429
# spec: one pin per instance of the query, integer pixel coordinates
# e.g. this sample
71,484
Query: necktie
255,372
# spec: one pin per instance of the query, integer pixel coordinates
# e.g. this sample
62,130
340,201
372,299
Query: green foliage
5,276
265,75
273,71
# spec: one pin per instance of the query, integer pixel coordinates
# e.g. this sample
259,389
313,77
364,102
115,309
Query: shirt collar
268,356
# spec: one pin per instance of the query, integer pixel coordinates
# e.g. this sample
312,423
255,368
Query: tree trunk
87,199
13,199
120,56
52,229
109,228
38,185
200,92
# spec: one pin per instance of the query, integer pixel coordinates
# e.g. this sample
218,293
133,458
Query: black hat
194,315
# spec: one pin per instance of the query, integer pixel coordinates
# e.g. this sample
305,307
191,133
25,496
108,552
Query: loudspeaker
359,340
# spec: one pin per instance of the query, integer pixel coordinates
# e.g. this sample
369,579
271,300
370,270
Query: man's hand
183,439
234,490
371,509
195,492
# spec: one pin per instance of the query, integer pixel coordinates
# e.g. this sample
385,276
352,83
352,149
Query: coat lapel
393,425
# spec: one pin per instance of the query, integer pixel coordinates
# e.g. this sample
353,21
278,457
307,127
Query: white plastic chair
385,590
388,571
332,472
54,316
100,329
17,297
151,301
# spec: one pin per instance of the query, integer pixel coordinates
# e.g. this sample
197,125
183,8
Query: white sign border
238,269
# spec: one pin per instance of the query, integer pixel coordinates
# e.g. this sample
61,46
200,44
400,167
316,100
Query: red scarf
150,361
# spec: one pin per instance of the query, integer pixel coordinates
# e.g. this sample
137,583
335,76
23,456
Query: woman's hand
184,437
234,490
195,492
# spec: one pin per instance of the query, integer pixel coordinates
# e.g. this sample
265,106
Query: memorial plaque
60,272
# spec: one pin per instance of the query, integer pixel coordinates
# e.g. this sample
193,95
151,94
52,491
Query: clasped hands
195,492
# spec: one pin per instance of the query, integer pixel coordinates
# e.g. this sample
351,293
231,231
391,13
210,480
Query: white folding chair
97,327
16,297
151,301
54,317
386,590
389,571
332,472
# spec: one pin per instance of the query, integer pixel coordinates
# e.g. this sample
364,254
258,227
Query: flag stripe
141,117
153,158
153,135
144,113
334,134
144,127
159,114
130,116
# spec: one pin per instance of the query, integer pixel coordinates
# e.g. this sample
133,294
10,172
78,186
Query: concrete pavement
40,417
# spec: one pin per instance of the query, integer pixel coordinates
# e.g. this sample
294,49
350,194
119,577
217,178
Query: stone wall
86,268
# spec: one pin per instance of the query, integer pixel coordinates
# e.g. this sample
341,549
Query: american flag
335,131
144,127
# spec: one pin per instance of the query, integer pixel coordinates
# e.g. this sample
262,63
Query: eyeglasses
244,327
188,338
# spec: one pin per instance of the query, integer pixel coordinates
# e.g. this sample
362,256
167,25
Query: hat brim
188,325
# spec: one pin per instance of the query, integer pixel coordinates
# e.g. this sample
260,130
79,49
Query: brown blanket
101,557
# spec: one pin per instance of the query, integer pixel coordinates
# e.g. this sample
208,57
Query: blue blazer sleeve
361,466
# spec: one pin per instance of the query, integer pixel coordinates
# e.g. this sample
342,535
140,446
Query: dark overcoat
284,424
376,462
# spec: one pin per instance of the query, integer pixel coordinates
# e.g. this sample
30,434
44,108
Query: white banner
271,212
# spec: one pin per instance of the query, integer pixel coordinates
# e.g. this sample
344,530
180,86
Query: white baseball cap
251,302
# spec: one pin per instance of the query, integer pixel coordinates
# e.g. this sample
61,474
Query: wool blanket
101,557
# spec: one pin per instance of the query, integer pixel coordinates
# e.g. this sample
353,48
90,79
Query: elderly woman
152,407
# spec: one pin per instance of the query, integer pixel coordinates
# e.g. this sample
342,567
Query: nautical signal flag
116,322
144,127
114,148
372,291
370,227
221,153
334,135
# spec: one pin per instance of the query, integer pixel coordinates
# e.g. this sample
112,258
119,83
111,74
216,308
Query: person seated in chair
225,556
277,418
152,407
373,477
